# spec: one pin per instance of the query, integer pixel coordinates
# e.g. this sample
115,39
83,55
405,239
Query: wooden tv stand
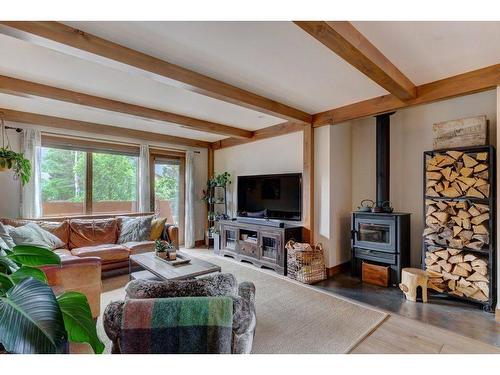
259,244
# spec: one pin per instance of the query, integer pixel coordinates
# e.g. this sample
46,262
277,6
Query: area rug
291,318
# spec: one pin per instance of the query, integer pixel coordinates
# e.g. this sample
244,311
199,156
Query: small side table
411,279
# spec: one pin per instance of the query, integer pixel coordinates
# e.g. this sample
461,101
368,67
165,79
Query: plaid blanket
177,325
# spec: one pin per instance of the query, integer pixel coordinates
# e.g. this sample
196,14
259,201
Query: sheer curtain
189,236
31,146
144,186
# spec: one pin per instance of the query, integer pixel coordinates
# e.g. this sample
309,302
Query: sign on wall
470,131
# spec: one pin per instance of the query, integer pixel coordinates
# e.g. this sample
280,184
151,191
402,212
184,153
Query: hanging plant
15,161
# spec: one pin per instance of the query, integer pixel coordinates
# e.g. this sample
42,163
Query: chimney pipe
383,155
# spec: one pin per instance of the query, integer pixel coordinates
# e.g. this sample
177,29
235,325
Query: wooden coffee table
155,268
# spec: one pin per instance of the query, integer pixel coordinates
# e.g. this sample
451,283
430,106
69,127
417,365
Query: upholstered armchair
243,295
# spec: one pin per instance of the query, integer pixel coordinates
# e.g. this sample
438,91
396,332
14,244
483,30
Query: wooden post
308,183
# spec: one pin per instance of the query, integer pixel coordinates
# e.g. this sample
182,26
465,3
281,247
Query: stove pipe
383,155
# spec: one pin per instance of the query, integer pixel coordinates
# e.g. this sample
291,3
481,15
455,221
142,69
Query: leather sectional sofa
90,247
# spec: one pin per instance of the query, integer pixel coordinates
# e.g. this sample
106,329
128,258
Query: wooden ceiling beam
348,43
462,84
17,86
264,133
66,39
101,129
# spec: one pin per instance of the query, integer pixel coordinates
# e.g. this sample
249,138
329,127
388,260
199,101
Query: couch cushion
137,247
109,253
134,228
57,228
157,227
32,234
86,232
63,253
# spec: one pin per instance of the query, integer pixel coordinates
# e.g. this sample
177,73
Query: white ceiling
277,60
428,51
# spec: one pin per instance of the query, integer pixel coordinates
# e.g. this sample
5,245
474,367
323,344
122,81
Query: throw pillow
134,228
157,226
32,234
5,236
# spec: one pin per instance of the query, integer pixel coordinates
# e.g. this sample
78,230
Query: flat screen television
274,196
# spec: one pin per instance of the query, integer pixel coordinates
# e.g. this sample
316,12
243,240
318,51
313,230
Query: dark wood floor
457,316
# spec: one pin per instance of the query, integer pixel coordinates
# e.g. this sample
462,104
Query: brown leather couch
90,247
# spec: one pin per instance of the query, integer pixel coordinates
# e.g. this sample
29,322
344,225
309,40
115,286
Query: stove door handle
353,233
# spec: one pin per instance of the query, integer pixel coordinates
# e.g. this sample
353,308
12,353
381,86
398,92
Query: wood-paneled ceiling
231,82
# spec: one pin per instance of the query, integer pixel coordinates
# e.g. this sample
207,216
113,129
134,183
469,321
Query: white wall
283,154
332,191
10,189
411,135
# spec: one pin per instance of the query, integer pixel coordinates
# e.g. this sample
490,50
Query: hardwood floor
441,314
400,335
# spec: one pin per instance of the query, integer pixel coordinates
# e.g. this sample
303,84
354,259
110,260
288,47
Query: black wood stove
381,238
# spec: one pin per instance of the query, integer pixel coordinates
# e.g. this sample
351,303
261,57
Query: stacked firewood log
454,226
457,174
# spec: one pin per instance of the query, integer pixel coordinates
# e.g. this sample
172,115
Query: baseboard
497,314
332,271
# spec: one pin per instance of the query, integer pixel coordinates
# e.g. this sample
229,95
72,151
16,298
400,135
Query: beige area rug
291,317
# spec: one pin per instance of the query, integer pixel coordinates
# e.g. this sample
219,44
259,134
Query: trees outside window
65,182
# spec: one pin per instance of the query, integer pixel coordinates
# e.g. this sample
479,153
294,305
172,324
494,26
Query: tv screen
270,196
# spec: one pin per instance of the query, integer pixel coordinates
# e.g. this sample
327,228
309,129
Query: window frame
167,154
89,147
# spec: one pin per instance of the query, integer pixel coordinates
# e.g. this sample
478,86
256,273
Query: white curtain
144,186
31,145
189,235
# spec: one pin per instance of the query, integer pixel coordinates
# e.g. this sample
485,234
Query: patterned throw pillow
157,226
134,228
32,234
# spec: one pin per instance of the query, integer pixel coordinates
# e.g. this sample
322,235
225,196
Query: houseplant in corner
32,318
10,159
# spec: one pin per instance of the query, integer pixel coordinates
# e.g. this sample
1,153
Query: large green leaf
7,265
5,283
25,272
34,256
78,320
30,319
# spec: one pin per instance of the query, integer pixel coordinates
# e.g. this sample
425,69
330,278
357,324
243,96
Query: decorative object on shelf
33,319
215,196
305,263
366,205
466,132
10,159
459,213
411,279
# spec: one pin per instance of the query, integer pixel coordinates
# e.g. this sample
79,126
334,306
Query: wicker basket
305,263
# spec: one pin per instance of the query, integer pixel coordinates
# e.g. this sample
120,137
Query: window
63,182
114,183
80,177
167,187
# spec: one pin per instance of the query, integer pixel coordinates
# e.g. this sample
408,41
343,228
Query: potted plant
32,318
10,159
15,161
161,249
